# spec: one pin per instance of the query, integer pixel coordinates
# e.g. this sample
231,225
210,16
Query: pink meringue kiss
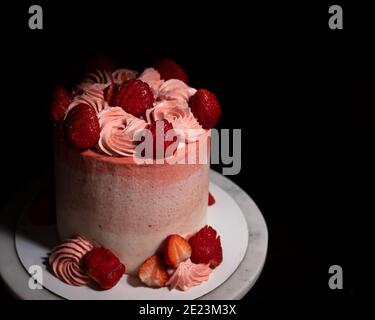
188,275
65,261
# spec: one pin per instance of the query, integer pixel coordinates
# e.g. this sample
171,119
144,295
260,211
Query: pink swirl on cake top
152,78
188,274
117,130
176,90
181,118
65,261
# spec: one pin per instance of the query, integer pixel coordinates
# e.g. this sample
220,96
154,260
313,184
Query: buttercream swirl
188,274
176,90
117,130
152,78
180,116
65,261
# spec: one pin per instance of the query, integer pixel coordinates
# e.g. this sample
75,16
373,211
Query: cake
110,194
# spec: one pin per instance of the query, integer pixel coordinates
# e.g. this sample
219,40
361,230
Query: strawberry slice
153,272
211,199
206,247
82,126
169,69
206,108
61,99
134,96
103,267
176,250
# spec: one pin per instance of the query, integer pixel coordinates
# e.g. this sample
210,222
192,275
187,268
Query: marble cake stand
235,287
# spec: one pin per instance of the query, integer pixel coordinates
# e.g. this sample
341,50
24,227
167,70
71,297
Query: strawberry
176,250
206,108
61,99
134,96
153,272
103,267
160,139
110,93
211,199
169,69
82,126
206,247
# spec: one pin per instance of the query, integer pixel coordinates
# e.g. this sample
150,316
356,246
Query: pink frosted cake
113,196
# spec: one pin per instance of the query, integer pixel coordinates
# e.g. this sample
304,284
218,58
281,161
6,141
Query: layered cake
132,174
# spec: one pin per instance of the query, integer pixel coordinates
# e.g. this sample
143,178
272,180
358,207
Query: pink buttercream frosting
181,117
152,78
188,274
65,261
175,90
117,130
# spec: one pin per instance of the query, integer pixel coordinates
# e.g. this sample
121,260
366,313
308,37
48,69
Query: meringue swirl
181,118
188,274
93,95
65,261
117,130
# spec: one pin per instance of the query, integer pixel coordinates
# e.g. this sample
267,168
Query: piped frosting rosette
117,130
65,261
182,119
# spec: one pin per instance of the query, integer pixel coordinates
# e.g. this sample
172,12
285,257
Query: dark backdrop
303,95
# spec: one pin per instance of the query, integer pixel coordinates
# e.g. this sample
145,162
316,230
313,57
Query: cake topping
117,130
153,272
61,99
177,91
82,127
65,261
206,108
176,250
188,275
135,97
164,139
152,78
103,267
169,69
206,247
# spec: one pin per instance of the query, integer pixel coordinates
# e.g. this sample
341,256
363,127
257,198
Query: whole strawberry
135,97
206,108
103,267
61,99
206,247
81,126
169,69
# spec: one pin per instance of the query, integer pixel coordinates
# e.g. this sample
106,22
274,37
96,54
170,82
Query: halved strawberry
169,69
134,96
206,247
176,250
153,272
61,99
82,126
206,108
103,267
211,199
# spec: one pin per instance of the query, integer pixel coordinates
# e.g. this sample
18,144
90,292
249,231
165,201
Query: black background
302,94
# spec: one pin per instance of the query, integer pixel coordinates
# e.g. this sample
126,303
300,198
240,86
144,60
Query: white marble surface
16,277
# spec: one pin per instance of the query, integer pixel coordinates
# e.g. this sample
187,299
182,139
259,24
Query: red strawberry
82,126
211,199
153,272
61,99
169,69
206,108
206,247
103,267
161,140
110,92
176,250
134,96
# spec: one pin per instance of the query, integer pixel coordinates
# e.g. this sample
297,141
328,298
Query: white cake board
236,217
